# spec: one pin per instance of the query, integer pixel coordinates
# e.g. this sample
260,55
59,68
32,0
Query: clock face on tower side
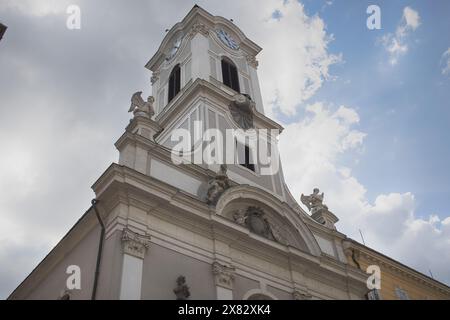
227,39
176,45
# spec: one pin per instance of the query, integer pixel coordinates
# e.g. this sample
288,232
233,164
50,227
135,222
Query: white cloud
396,44
446,62
411,17
348,115
37,8
310,151
295,60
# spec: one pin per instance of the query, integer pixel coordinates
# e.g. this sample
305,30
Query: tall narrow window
174,83
244,158
230,75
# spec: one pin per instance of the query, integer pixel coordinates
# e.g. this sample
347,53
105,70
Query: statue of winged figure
141,107
314,201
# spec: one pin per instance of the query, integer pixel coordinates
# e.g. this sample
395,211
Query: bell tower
204,76
205,47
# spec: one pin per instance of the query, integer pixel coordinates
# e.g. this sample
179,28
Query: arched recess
258,294
235,202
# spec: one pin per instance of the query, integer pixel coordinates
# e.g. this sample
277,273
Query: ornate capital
135,244
252,61
224,275
155,77
301,294
199,28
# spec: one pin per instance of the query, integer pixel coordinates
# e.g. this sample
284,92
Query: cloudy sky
366,113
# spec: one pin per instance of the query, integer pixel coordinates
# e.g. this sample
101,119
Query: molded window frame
174,85
230,74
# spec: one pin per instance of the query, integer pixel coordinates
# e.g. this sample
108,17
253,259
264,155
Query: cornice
239,236
283,210
136,121
161,153
320,229
204,88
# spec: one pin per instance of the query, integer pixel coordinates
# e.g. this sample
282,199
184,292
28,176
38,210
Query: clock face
227,39
175,47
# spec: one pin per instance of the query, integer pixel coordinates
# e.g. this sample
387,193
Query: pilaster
135,246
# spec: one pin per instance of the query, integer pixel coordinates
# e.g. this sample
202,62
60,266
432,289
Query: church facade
168,224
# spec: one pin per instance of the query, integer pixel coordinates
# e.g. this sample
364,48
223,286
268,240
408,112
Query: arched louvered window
230,75
174,82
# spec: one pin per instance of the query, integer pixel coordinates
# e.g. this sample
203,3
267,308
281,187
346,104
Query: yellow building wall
391,279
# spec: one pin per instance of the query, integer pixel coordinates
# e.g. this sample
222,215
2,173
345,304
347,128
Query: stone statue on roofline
314,202
139,107
319,211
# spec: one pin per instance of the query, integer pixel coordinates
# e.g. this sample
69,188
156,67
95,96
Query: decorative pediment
265,215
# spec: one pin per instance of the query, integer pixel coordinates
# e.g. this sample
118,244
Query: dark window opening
247,159
230,75
174,83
